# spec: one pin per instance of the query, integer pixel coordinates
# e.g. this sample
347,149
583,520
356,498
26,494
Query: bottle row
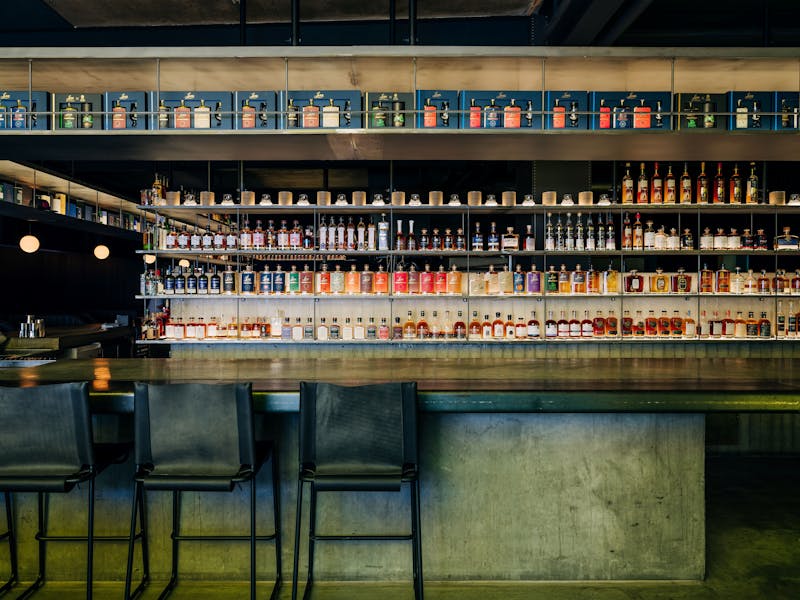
449,326
366,282
595,235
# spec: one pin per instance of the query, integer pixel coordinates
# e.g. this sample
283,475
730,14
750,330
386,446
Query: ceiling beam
632,12
593,19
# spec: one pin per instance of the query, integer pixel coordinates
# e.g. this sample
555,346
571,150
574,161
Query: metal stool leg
40,534
253,538
136,507
12,546
176,514
90,543
312,532
298,520
276,517
416,540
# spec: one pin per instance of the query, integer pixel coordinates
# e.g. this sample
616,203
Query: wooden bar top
548,385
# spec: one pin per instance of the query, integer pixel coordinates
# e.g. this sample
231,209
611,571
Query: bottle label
641,117
183,119
310,117
511,117
429,116
605,117
248,117
559,117
330,116
475,121
118,120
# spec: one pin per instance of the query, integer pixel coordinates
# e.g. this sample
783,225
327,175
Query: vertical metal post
242,22
412,22
392,21
295,22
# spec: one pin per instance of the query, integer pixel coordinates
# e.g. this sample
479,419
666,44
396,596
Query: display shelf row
358,297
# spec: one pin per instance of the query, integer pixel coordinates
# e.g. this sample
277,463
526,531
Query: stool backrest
362,428
47,428
194,425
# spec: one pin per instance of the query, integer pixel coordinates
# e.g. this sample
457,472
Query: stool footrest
83,538
361,537
221,538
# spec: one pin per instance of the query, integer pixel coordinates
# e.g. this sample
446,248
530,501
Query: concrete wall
512,496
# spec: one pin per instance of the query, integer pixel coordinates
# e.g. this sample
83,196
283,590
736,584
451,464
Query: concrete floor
753,539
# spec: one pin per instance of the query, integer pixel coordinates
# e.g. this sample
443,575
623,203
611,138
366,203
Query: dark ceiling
439,22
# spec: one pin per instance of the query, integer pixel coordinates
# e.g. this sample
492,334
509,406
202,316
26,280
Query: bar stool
200,437
46,447
357,439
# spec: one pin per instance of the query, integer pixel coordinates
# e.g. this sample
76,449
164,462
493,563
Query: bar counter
556,468
488,384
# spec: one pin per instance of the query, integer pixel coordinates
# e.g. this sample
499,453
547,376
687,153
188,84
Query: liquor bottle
491,115
762,283
512,115
670,187
559,115
380,281
118,116
641,116
361,235
564,284
719,186
587,325
359,331
574,325
533,281
426,281
638,326
413,280
455,330
643,186
87,118
709,110
397,329
493,240
445,113
486,328
440,281
702,185
578,281
764,326
352,281
611,238
741,120
435,329
550,326
627,323
549,238
383,234
202,116
752,193
598,324
520,329
562,325
533,329
551,280
292,116
620,118
453,281
656,187
310,115
474,331
409,327
248,120
638,234
791,321
560,246
651,324
246,237
736,195
435,240
627,185
475,120
686,186
649,239
182,116
751,325
347,330
509,329
664,324
573,114
460,241
428,114
604,119
337,279
755,115
330,115
612,325
627,233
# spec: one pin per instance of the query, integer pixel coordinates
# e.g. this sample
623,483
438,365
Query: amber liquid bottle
702,185
686,186
719,186
736,192
643,187
627,185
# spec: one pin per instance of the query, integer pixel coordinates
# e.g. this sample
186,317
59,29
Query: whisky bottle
791,321
550,326
445,114
435,240
87,117
183,116
709,110
643,186
719,186
598,324
638,234
347,330
686,186
736,195
604,118
491,115
627,233
509,329
512,115
559,244
563,325
656,187
620,120
118,116
202,116
741,121
651,324
587,325
380,281
612,325
559,115
649,239
627,185
413,280
397,329
426,281
533,281
627,323
440,281
702,185
574,325
638,326
664,324
578,283
764,326
551,280
533,329
487,328
459,327
428,114
520,329
310,115
752,193
248,120
359,331
475,120
564,284
493,240
475,329
573,114
330,115
641,116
